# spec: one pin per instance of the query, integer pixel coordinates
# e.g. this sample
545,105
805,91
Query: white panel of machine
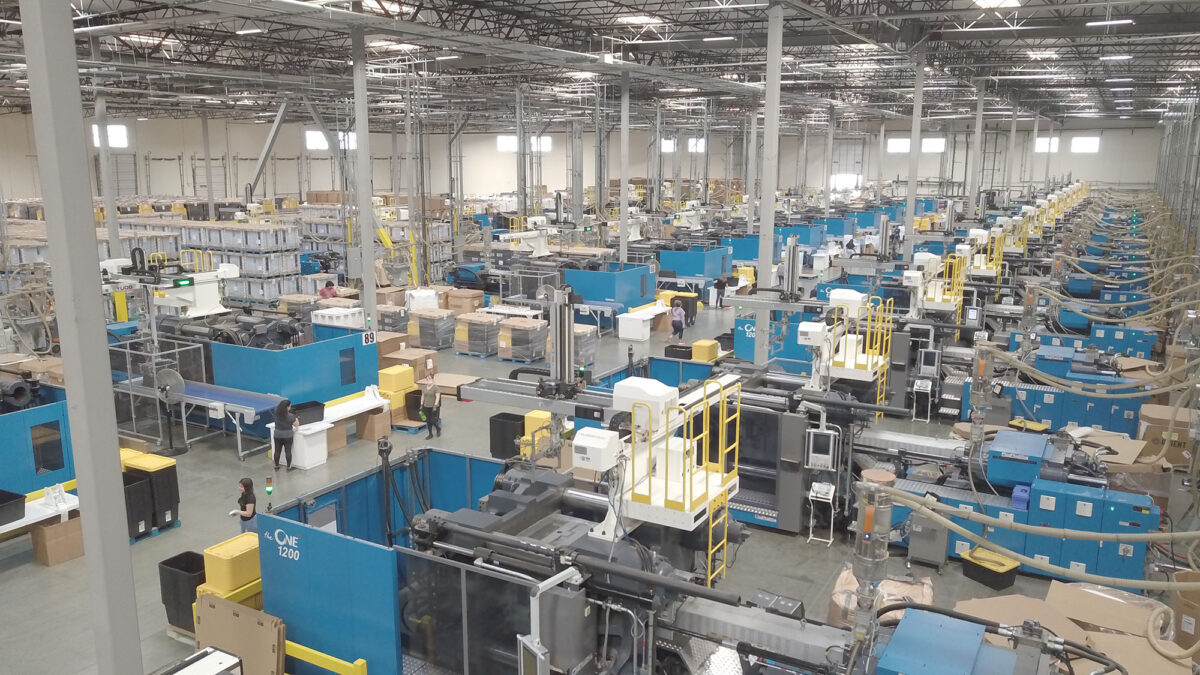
596,449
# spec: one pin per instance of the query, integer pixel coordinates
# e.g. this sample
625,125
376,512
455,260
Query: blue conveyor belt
260,403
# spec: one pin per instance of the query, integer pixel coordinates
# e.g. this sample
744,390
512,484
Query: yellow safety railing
841,316
325,661
995,257
735,445
718,521
884,311
196,260
641,496
157,258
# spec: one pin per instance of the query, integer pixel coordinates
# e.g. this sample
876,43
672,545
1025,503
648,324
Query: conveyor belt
885,441
259,403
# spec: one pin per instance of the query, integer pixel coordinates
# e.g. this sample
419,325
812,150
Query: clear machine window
47,447
346,361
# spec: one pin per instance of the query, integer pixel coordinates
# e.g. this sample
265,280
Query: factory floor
44,610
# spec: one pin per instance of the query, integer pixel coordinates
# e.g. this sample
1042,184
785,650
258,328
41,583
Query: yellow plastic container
146,461
747,272
127,454
705,350
534,420
396,378
232,563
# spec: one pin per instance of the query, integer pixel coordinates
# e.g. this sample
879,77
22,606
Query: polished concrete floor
44,611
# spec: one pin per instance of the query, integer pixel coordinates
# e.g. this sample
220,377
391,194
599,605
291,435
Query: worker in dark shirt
719,286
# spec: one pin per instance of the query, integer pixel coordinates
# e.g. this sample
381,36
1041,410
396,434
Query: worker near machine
246,506
719,286
328,291
286,424
678,317
431,406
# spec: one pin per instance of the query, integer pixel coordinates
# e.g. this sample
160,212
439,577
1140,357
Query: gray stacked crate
267,256
476,334
431,328
523,339
392,318
440,246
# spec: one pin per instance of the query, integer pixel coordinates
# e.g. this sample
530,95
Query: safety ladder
882,335
718,537
195,260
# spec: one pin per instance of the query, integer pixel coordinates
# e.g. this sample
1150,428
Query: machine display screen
820,449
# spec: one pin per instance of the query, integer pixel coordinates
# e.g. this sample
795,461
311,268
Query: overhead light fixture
143,119
580,74
10,22
997,4
1123,100
148,39
391,46
721,38
1121,89
1116,57
1124,117
991,29
1119,79
212,100
743,5
728,98
640,20
1111,22
1040,54
250,31
451,57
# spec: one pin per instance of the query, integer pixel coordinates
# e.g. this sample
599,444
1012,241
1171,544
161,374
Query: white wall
168,151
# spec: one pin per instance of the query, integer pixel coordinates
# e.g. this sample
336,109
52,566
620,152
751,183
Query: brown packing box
133,443
464,300
1012,610
373,426
1154,420
448,383
335,437
388,342
1187,612
443,295
424,362
343,292
1094,611
1143,369
1133,652
391,295
57,541
347,303
258,639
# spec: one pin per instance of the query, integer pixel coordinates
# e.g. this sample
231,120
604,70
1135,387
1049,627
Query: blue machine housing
867,220
960,648
1113,339
620,287
745,249
1015,458
784,344
708,262
838,227
321,371
807,234
35,447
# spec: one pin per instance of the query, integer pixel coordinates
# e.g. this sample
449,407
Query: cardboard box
1012,610
340,303
373,426
1094,610
1143,369
1154,421
1134,653
391,295
56,541
335,437
1187,612
258,639
464,300
131,443
422,361
443,295
387,342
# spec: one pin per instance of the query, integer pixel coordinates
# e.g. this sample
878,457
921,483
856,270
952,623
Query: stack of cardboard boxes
464,300
395,382
424,362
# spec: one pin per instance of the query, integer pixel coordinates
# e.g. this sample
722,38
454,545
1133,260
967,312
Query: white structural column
975,166
364,183
106,177
208,175
601,140
804,160
1049,151
522,157
879,167
752,173
914,147
829,160
623,225
61,145
770,176
576,171
1010,157
1037,117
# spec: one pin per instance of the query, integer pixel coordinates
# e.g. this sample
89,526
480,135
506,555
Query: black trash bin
178,578
506,428
12,507
678,352
139,504
309,412
412,405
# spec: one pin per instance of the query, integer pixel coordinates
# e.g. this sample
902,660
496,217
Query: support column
61,144
770,176
752,173
829,162
600,142
576,172
522,156
106,178
208,175
879,168
1037,117
914,147
1010,159
1049,152
654,161
364,181
623,249
801,147
707,157
804,161
394,165
975,166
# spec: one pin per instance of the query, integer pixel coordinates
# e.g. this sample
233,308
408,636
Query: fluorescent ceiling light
997,4
1116,57
212,100
640,20
1039,54
1190,69
1055,76
391,46
1123,100
1124,117
446,58
1121,89
1119,79
148,39
984,29
580,74
743,5
1111,22
721,38
10,22
250,31
143,119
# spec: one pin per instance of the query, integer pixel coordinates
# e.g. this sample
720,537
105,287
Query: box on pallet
340,317
476,333
431,328
522,339
424,362
338,302
464,300
388,342
1155,422
390,295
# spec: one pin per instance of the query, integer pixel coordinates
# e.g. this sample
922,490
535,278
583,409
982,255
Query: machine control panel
822,448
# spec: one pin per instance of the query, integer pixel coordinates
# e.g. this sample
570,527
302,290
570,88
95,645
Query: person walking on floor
328,291
678,317
431,406
286,424
719,286
246,506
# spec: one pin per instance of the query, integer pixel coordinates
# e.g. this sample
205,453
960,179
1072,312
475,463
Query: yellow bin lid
990,559
234,547
148,462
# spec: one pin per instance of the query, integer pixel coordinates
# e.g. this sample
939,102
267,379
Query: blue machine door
1046,509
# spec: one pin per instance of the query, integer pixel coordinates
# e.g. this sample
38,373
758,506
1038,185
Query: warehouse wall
167,157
